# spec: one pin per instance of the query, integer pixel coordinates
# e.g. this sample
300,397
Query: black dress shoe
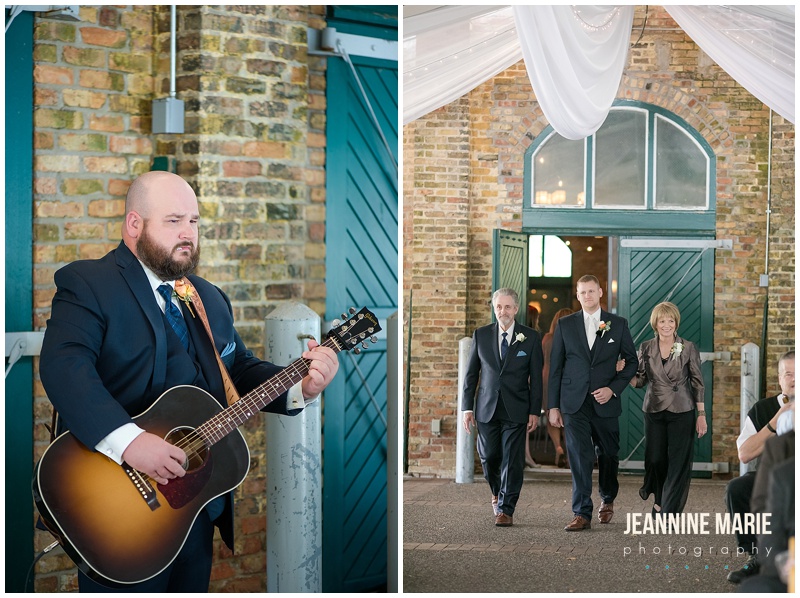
751,567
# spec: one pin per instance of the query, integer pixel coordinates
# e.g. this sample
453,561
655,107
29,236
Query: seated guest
759,426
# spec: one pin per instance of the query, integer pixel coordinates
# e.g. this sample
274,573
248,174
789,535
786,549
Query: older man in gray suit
507,357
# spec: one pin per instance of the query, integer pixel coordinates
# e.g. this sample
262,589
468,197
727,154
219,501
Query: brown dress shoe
503,520
578,524
495,509
605,512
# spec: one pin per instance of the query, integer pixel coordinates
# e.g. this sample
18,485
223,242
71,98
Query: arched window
642,159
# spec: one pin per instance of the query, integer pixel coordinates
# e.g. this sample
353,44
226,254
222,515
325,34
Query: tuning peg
344,316
352,310
356,350
365,345
336,322
373,339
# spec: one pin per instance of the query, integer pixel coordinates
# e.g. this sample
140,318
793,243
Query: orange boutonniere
603,328
185,292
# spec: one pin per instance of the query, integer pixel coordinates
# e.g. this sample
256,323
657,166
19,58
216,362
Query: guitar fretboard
230,418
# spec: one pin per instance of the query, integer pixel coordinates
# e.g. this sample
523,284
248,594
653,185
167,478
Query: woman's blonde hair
661,310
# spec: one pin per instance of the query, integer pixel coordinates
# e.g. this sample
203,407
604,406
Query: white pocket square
521,354
611,340
228,349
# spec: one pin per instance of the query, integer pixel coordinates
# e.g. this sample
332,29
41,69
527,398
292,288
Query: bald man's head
161,223
151,186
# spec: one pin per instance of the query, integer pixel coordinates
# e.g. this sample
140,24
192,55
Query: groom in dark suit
110,350
507,358
584,396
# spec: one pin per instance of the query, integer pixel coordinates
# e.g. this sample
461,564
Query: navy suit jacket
105,350
575,371
518,378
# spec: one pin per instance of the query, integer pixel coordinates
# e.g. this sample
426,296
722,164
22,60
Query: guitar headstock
356,329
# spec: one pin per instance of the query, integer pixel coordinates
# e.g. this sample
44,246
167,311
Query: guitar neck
230,418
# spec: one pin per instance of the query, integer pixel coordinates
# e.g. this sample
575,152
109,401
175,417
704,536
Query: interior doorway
555,263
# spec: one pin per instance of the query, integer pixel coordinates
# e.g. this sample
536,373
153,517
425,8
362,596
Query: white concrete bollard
750,385
293,465
465,442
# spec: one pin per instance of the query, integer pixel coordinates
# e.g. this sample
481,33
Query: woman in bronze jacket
671,366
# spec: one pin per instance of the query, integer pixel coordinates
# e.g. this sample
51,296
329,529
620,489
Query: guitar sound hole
192,444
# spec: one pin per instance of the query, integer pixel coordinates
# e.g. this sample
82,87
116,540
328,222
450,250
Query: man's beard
161,262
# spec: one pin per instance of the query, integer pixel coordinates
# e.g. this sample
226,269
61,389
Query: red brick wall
450,192
253,149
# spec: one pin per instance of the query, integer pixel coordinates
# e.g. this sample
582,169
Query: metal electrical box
168,115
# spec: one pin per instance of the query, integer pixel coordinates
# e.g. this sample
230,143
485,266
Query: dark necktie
504,346
174,315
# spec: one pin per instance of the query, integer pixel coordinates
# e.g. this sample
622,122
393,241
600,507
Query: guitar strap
194,299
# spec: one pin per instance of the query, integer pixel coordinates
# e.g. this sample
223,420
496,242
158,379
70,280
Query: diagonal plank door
362,270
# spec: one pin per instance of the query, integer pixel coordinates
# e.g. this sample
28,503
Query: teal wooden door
651,271
511,267
362,270
19,299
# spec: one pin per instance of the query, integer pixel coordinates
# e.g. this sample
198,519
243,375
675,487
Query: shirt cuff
295,398
113,445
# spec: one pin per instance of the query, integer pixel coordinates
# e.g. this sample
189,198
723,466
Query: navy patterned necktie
174,315
504,346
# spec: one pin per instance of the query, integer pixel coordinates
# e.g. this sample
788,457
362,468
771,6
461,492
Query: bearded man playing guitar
110,351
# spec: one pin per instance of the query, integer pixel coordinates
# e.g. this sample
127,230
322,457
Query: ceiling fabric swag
753,44
574,56
449,51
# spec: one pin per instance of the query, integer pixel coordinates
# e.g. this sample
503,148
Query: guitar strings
289,376
198,439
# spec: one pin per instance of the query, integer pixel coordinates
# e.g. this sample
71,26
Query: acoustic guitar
119,526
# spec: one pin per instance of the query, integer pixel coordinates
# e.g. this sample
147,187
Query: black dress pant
669,447
501,447
589,436
189,572
737,499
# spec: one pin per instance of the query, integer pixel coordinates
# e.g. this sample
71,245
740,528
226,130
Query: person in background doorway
556,434
533,322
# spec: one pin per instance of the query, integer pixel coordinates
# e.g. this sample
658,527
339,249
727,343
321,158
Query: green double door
681,271
650,270
361,270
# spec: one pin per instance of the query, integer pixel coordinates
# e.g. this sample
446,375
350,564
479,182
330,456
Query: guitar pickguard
199,467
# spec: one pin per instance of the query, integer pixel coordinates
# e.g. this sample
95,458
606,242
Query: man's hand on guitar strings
323,367
155,457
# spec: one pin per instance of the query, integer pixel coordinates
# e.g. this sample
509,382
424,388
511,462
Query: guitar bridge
143,486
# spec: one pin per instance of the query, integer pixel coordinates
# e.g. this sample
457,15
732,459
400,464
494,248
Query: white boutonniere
519,338
676,350
603,328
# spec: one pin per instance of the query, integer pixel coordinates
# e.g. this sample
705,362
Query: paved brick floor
450,542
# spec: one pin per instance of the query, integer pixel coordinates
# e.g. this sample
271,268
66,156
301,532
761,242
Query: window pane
557,257
681,169
558,172
535,259
620,160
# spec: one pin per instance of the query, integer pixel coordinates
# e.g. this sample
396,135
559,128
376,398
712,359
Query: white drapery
450,50
575,56
753,44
